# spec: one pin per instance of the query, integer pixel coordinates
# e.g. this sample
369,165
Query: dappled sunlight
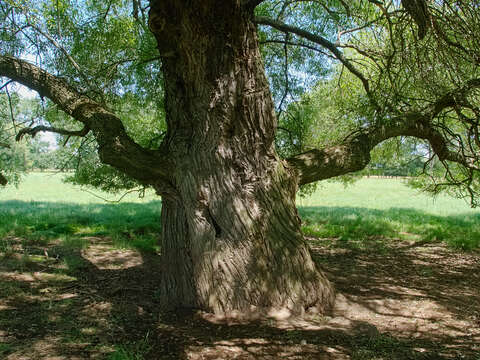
408,302
55,348
65,299
425,292
104,257
252,348
76,286
409,318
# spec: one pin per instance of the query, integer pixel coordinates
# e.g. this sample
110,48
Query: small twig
285,93
140,190
6,84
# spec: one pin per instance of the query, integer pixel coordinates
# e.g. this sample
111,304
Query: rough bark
241,248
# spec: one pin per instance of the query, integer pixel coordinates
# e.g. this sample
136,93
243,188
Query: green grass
48,187
362,215
131,351
367,213
5,348
384,194
44,214
43,209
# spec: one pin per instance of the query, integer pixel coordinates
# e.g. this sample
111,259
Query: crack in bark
213,222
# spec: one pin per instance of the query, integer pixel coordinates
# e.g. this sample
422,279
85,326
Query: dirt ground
407,301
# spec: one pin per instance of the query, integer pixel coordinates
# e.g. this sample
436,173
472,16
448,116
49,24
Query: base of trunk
274,277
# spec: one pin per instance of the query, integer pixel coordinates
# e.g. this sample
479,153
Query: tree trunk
231,238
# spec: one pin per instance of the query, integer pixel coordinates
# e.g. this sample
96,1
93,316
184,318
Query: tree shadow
134,314
372,227
86,302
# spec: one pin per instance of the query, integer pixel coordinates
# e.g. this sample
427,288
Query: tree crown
345,77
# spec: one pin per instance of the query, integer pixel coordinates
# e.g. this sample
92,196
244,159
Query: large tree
231,237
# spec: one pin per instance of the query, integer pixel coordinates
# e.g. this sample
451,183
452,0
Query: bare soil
405,301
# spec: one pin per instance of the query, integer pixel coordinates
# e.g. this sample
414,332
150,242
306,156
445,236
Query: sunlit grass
383,194
49,187
43,209
372,211
127,224
366,214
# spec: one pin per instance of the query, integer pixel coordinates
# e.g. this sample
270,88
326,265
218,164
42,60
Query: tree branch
418,10
115,148
354,153
33,131
252,3
63,50
261,20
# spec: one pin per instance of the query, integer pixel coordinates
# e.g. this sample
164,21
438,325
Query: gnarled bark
241,247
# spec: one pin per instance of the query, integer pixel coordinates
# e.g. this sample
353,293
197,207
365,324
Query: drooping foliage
336,69
398,74
104,49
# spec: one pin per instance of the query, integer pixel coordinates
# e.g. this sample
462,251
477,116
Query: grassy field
43,208
364,214
79,279
373,210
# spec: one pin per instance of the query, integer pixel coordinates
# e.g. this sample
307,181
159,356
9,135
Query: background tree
182,104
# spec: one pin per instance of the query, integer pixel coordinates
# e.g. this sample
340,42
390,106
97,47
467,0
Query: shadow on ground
91,300
365,228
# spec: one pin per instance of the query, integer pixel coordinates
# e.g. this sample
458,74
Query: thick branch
320,164
418,10
354,153
116,148
252,3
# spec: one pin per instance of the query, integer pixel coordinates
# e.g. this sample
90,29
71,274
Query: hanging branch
317,39
116,147
285,70
33,131
141,192
11,109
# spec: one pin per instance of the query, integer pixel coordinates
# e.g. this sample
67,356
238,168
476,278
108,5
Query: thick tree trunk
231,234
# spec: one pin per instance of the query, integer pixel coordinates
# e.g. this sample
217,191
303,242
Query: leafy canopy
336,69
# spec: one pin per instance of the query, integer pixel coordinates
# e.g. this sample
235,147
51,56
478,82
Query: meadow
366,213
79,277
